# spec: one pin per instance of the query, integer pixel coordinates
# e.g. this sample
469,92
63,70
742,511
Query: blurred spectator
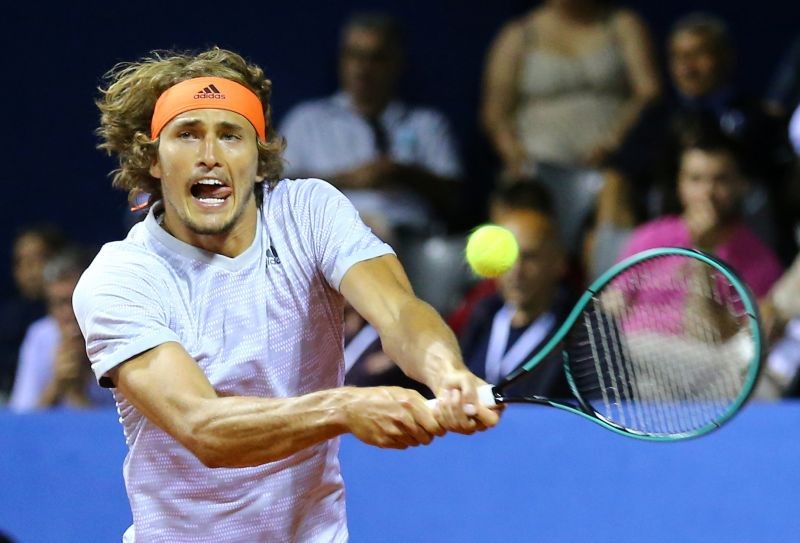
563,85
53,366
780,312
783,93
711,189
508,327
398,164
527,194
31,247
365,362
702,66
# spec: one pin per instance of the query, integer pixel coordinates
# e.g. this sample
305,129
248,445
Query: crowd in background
596,157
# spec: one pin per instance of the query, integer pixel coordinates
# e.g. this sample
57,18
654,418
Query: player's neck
371,106
527,313
230,243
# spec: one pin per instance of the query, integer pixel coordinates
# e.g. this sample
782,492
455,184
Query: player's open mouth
210,191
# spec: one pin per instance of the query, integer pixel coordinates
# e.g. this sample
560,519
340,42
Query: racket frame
583,408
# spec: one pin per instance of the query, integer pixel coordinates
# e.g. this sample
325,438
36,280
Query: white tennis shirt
267,323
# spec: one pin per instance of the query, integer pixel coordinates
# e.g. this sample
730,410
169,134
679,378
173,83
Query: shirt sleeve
439,148
340,238
121,309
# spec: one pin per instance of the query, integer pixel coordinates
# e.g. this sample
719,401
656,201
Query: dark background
55,57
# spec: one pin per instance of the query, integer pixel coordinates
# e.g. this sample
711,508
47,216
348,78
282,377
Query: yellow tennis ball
491,250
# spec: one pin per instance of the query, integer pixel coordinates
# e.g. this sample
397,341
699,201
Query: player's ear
155,169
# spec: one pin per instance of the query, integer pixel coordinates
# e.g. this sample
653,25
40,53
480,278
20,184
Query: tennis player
218,319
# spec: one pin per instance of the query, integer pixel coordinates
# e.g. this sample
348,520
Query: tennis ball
491,250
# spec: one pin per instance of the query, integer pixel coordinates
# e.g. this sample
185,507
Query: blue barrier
543,475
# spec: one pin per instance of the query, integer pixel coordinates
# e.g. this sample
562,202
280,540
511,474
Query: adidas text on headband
208,93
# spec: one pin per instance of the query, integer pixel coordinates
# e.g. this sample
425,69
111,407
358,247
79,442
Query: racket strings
665,348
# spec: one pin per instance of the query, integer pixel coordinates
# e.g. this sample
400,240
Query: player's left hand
458,409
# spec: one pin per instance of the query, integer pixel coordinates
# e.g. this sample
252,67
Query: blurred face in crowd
711,183
369,66
30,254
531,283
58,294
697,65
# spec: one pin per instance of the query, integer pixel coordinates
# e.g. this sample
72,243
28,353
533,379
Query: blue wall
542,475
55,56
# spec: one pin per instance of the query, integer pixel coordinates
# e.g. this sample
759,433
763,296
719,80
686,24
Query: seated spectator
702,68
563,85
53,367
780,314
710,190
397,163
32,246
528,194
508,327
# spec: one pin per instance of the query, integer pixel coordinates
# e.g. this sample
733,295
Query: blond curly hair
127,103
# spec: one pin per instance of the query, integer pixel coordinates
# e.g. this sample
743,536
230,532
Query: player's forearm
246,431
421,343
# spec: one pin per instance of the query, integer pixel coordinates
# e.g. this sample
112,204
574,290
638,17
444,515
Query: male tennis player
218,320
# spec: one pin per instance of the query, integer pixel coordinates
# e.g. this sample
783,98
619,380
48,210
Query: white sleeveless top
267,323
569,103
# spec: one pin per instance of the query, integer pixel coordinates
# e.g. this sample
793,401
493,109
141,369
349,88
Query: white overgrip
485,396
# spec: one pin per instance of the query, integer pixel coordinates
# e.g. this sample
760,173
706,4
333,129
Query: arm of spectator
499,99
637,50
70,374
783,301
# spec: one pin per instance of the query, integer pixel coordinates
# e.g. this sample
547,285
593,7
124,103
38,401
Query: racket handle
485,396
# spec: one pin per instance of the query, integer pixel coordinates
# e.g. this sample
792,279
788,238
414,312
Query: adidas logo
209,92
272,256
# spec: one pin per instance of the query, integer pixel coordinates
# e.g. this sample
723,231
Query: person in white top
397,163
218,320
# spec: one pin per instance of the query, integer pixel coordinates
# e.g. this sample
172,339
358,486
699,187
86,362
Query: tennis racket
666,345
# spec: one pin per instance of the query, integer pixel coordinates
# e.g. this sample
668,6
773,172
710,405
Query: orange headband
208,93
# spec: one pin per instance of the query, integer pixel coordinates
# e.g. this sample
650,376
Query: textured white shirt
267,323
327,136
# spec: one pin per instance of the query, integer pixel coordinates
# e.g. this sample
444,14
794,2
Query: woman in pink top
710,188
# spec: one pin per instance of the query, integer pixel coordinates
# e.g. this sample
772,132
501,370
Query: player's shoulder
122,262
297,191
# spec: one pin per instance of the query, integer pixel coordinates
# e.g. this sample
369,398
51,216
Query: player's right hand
391,417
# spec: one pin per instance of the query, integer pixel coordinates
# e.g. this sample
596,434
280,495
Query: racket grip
485,396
